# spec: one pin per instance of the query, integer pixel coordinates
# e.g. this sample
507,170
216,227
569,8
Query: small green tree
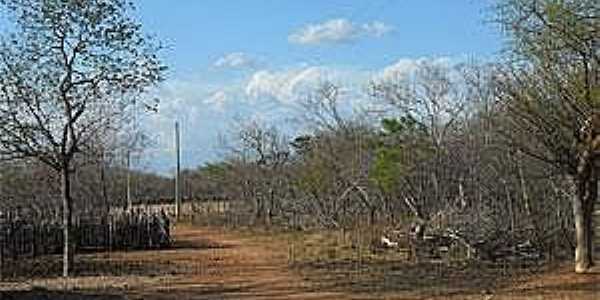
389,163
403,148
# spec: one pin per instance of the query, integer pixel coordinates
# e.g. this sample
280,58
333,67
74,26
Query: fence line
30,238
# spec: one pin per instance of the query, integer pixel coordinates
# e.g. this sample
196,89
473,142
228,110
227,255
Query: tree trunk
583,207
104,188
259,209
271,206
67,211
524,194
372,216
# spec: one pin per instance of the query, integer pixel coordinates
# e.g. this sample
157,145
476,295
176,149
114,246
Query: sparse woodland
493,155
499,157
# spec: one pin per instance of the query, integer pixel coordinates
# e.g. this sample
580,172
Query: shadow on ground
48,295
119,263
381,278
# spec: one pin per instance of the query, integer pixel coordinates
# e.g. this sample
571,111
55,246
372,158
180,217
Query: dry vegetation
213,263
474,181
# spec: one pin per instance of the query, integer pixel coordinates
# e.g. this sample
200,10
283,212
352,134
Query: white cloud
236,60
217,100
205,105
406,67
400,69
285,86
337,31
377,28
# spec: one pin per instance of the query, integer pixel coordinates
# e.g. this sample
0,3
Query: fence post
148,231
110,233
13,240
2,242
34,241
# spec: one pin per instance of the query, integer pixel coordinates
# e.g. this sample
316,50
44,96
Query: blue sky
251,59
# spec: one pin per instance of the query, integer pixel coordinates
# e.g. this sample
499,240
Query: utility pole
132,147
129,202
178,172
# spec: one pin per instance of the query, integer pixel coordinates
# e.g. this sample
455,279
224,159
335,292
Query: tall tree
430,101
67,74
551,94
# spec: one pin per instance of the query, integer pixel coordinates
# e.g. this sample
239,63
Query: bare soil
213,263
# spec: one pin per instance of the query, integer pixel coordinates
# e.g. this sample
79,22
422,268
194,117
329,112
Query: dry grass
211,263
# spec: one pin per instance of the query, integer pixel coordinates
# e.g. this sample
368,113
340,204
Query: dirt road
210,263
226,266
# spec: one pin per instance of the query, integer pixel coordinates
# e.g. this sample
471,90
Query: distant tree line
32,188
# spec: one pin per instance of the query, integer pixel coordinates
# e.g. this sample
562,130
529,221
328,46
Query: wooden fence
28,238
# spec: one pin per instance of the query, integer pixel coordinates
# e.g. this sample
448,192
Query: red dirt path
211,263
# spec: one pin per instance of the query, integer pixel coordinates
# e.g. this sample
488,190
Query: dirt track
224,266
209,263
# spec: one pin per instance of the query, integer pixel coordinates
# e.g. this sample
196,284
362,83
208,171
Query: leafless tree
550,93
431,100
66,76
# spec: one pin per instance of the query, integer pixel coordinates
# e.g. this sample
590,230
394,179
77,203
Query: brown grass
211,263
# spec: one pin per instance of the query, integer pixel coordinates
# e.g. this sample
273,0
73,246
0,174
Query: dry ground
211,263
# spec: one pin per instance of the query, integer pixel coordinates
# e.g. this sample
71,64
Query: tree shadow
53,295
106,263
425,279
198,244
276,288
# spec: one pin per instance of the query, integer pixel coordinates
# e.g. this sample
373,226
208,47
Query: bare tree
550,93
66,76
267,151
429,103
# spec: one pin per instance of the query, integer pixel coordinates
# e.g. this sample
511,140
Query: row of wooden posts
29,238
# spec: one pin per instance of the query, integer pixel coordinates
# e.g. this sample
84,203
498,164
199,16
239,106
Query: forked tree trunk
583,208
67,211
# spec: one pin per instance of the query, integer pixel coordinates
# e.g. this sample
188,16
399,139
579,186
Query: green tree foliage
400,139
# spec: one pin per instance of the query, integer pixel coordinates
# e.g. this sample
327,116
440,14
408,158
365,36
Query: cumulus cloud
235,60
400,69
285,86
207,105
405,67
203,109
377,28
217,100
338,31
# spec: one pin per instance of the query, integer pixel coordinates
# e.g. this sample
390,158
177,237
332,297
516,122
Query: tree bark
373,215
271,206
259,209
67,211
583,207
104,188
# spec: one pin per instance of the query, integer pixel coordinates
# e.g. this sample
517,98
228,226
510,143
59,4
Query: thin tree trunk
67,211
583,204
589,227
524,193
103,183
259,209
271,206
461,195
589,220
509,204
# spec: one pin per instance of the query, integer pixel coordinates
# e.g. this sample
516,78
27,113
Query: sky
234,61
